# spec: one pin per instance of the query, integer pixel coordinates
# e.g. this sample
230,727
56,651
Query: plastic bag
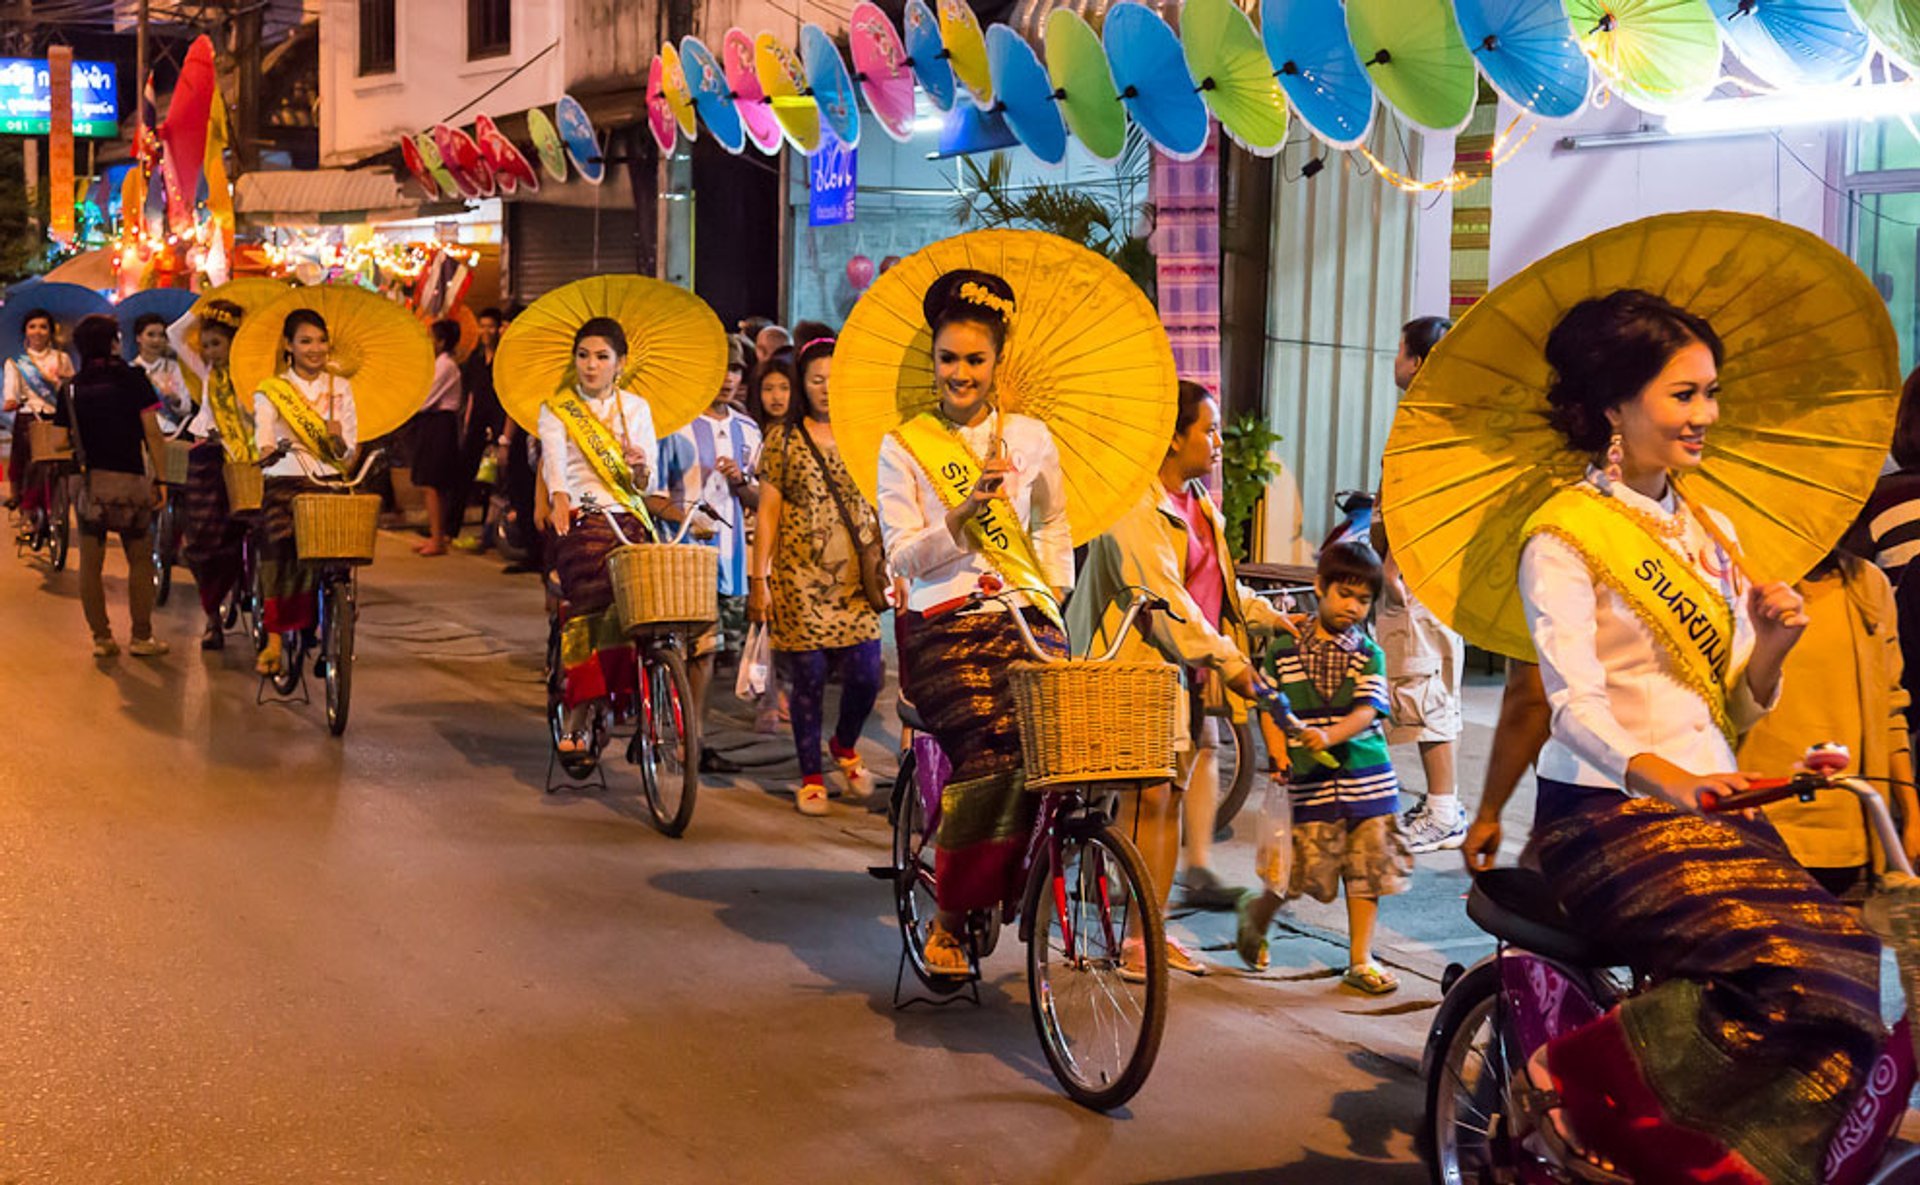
756,664
1273,853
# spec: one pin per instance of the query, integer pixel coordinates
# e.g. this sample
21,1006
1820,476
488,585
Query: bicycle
1101,1032
665,744
49,526
336,593
1545,978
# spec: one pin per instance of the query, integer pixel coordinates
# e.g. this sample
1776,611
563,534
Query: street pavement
238,949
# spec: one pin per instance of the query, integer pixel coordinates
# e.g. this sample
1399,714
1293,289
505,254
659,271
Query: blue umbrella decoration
583,144
66,302
1315,63
927,54
1024,94
171,303
831,85
1795,42
1150,69
1527,50
712,97
968,129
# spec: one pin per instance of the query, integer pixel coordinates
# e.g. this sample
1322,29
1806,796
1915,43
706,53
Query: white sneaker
810,798
147,647
1424,832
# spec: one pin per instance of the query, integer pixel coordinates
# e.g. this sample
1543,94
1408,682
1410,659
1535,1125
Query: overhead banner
60,144
832,181
26,97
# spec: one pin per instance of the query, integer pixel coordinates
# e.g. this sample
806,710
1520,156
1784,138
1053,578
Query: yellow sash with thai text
602,449
308,426
1689,618
230,419
953,469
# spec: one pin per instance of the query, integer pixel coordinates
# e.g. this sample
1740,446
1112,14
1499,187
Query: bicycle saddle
1517,906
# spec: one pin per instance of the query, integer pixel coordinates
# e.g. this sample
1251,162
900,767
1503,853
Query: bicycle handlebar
339,481
1144,600
1823,767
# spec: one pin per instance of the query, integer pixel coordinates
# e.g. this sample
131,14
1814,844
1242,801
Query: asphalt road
240,950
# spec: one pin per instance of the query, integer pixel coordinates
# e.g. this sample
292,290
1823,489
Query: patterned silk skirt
594,651
1764,1017
957,665
213,535
286,584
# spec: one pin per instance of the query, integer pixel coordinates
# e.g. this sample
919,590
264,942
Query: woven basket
665,586
1893,914
335,528
47,441
1095,721
246,486
173,461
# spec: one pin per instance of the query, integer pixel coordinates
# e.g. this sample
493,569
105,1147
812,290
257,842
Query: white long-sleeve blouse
567,470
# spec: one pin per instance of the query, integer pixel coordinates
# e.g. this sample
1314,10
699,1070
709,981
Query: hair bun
968,293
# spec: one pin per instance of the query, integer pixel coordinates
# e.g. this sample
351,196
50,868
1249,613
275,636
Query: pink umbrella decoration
660,120
736,57
510,166
417,165
461,155
880,66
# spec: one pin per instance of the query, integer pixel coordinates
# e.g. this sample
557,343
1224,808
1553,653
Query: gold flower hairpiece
976,293
220,317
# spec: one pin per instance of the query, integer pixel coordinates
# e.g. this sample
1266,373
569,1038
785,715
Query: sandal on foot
1371,978
944,955
1250,930
1538,1106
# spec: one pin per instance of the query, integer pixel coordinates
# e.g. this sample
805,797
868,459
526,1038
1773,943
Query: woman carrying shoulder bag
114,413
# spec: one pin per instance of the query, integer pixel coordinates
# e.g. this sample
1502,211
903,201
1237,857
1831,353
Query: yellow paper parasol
1809,387
249,292
676,348
378,346
1085,352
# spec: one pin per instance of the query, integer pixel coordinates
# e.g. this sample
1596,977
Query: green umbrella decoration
1895,24
1656,54
1417,59
1229,62
1077,64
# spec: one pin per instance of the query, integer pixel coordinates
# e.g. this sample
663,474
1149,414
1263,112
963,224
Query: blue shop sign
26,99
832,180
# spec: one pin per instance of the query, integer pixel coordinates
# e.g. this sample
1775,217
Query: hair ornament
214,316
973,292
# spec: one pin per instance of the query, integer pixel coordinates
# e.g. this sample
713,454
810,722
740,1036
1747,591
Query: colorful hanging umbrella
1808,391
1225,57
785,85
1656,54
1895,24
712,97
461,156
511,168
430,156
377,346
673,84
546,142
67,303
417,166
1077,66
967,129
583,143
920,29
1026,95
966,49
1418,62
660,119
170,303
1151,72
830,84
880,66
1086,352
676,348
1313,58
1796,43
756,114
1528,52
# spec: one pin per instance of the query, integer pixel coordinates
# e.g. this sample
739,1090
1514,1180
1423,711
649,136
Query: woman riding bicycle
598,453
29,388
224,429
1655,653
973,500
310,409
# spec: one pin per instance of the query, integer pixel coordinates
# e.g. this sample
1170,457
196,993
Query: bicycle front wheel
59,524
1099,1024
666,741
163,553
336,625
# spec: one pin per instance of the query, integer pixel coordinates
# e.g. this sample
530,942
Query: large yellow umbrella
1808,392
1085,352
378,346
676,348
249,292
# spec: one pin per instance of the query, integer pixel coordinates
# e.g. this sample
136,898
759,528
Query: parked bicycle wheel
337,611
913,879
1240,756
1101,1032
666,739
1465,1136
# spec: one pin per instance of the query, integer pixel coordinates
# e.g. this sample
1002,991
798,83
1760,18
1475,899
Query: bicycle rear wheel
666,739
1239,757
336,625
59,524
1101,1032
1468,1131
913,876
163,552
255,605
293,660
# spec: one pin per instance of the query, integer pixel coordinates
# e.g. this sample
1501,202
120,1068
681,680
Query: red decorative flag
185,131
60,144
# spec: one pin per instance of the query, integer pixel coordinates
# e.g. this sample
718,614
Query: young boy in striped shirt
1345,832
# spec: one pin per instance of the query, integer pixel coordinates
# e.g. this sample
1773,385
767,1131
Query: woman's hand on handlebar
1659,778
1482,846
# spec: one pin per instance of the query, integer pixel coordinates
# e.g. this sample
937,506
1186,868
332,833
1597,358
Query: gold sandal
944,955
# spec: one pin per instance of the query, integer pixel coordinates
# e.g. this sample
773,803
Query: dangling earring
1614,456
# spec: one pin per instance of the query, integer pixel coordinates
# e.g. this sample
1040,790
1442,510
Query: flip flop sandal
945,956
1249,939
1370,978
1538,1106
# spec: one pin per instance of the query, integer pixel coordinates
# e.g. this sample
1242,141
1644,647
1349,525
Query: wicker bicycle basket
335,528
1095,721
246,485
1893,914
173,461
665,586
47,441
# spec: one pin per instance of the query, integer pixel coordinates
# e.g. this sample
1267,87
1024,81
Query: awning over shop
326,197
